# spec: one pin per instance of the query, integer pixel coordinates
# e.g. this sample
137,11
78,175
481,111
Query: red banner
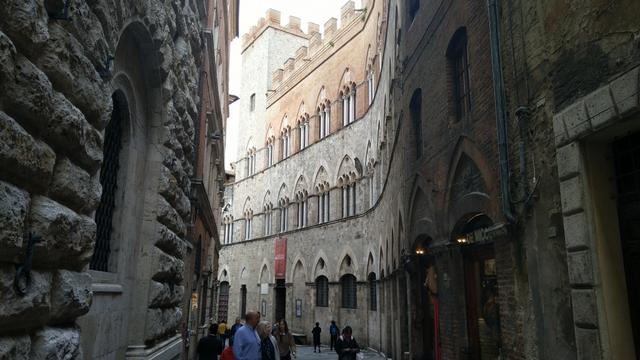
281,258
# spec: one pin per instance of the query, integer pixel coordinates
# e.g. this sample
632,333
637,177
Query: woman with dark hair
286,344
346,346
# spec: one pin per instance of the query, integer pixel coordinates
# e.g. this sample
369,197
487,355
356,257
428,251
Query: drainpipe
501,117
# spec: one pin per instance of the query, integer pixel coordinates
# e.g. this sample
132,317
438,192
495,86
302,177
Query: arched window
322,291
304,132
323,190
324,119
284,214
459,70
248,225
243,300
109,182
415,109
270,151
228,229
268,218
373,292
223,301
349,291
302,202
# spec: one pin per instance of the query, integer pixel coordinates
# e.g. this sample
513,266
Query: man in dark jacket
346,346
333,331
209,347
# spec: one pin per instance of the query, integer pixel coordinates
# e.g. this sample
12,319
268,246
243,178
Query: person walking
235,328
227,353
209,347
246,342
333,331
286,344
346,346
222,332
316,337
267,347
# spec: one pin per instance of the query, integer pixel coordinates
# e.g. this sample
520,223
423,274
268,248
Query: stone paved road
306,353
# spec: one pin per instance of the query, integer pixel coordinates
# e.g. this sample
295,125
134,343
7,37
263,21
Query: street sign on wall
281,258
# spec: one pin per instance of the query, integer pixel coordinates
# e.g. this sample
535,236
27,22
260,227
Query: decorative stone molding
606,106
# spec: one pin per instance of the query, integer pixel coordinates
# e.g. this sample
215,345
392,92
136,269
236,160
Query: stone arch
348,263
298,270
283,192
243,275
368,58
266,200
265,275
247,205
302,112
346,171
321,179
371,264
470,187
420,213
321,99
138,105
346,80
270,134
224,274
301,184
321,268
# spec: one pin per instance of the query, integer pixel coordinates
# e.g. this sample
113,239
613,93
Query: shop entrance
483,318
627,162
281,300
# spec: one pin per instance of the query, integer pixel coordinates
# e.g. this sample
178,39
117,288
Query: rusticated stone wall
60,63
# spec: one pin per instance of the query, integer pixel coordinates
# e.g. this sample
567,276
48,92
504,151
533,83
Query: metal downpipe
501,117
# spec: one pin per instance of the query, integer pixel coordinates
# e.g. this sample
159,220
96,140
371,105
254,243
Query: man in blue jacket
246,344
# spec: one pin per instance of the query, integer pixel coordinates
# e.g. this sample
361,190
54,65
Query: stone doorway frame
611,104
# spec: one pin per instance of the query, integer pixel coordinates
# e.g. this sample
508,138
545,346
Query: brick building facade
393,210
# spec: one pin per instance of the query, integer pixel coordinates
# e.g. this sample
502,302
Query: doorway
627,166
483,316
281,300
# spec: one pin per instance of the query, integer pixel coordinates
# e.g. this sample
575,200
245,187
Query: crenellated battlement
317,40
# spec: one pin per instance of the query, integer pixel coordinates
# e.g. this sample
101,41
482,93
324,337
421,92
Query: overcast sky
317,11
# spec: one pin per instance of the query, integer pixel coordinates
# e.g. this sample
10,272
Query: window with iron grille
349,292
223,301
252,102
458,62
322,291
109,182
243,300
373,292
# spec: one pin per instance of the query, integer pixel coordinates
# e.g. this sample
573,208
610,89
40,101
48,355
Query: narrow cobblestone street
306,353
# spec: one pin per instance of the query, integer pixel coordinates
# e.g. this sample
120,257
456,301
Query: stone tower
264,49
